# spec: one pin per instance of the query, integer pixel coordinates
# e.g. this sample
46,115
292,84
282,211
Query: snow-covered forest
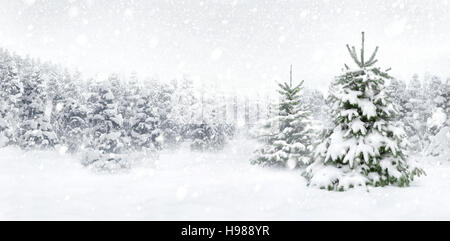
370,145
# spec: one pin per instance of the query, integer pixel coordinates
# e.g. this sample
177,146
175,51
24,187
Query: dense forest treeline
44,105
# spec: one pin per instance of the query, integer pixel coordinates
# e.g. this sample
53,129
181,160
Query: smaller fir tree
287,136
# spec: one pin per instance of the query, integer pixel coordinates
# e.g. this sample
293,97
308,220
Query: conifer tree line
421,100
43,106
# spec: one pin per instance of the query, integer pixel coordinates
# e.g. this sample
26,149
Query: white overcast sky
238,43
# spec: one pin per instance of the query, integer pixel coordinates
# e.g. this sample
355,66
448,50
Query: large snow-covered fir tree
287,136
366,145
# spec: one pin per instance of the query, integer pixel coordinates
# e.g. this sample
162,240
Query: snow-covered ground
212,186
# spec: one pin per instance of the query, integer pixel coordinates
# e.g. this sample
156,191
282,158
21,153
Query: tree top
361,61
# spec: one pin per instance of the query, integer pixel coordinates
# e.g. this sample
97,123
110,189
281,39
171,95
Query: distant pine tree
35,129
145,125
73,124
208,137
69,112
11,89
185,106
446,96
162,102
128,106
416,115
106,136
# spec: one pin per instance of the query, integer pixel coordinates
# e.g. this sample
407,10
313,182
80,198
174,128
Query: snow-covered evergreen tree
416,114
69,111
5,132
436,102
446,96
162,102
365,146
289,135
35,130
145,124
208,137
208,131
128,106
398,91
439,122
106,137
185,107
73,124
318,107
10,91
54,80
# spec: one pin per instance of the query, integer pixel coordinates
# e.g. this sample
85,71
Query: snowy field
213,186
